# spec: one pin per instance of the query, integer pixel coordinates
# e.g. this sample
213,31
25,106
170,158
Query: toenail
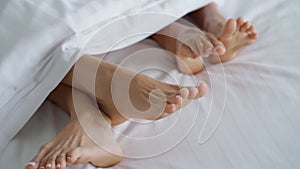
184,92
42,167
57,165
220,49
31,163
177,96
69,158
48,165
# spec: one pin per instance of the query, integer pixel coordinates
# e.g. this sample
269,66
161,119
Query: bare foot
122,94
189,45
73,146
151,99
235,35
86,139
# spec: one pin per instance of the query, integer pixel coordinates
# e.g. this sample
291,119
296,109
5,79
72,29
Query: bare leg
73,145
91,71
234,34
209,18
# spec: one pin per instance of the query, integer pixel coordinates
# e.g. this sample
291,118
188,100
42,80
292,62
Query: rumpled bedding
258,93
41,41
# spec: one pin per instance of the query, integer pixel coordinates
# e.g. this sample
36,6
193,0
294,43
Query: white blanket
41,41
260,125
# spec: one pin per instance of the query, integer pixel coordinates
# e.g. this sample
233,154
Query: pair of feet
219,39
74,146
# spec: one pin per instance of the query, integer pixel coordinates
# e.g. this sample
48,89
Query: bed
248,119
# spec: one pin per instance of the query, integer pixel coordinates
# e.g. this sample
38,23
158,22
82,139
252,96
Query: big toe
202,89
229,28
31,165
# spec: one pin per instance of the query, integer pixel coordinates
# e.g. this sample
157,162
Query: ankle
206,15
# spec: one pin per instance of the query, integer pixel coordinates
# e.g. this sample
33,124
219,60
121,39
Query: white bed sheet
260,125
49,36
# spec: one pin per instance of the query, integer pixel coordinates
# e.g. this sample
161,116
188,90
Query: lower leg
209,18
69,99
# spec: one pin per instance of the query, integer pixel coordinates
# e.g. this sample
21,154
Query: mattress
248,119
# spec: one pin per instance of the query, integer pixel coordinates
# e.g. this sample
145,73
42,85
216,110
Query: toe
61,161
184,92
48,161
193,91
202,89
218,45
250,29
50,165
51,162
248,25
43,163
220,50
229,28
174,99
240,22
253,36
31,165
73,155
171,108
245,26
173,103
41,167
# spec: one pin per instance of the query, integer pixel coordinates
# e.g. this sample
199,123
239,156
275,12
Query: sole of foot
236,34
73,146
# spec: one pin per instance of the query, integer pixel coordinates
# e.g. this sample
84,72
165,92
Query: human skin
91,80
224,39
